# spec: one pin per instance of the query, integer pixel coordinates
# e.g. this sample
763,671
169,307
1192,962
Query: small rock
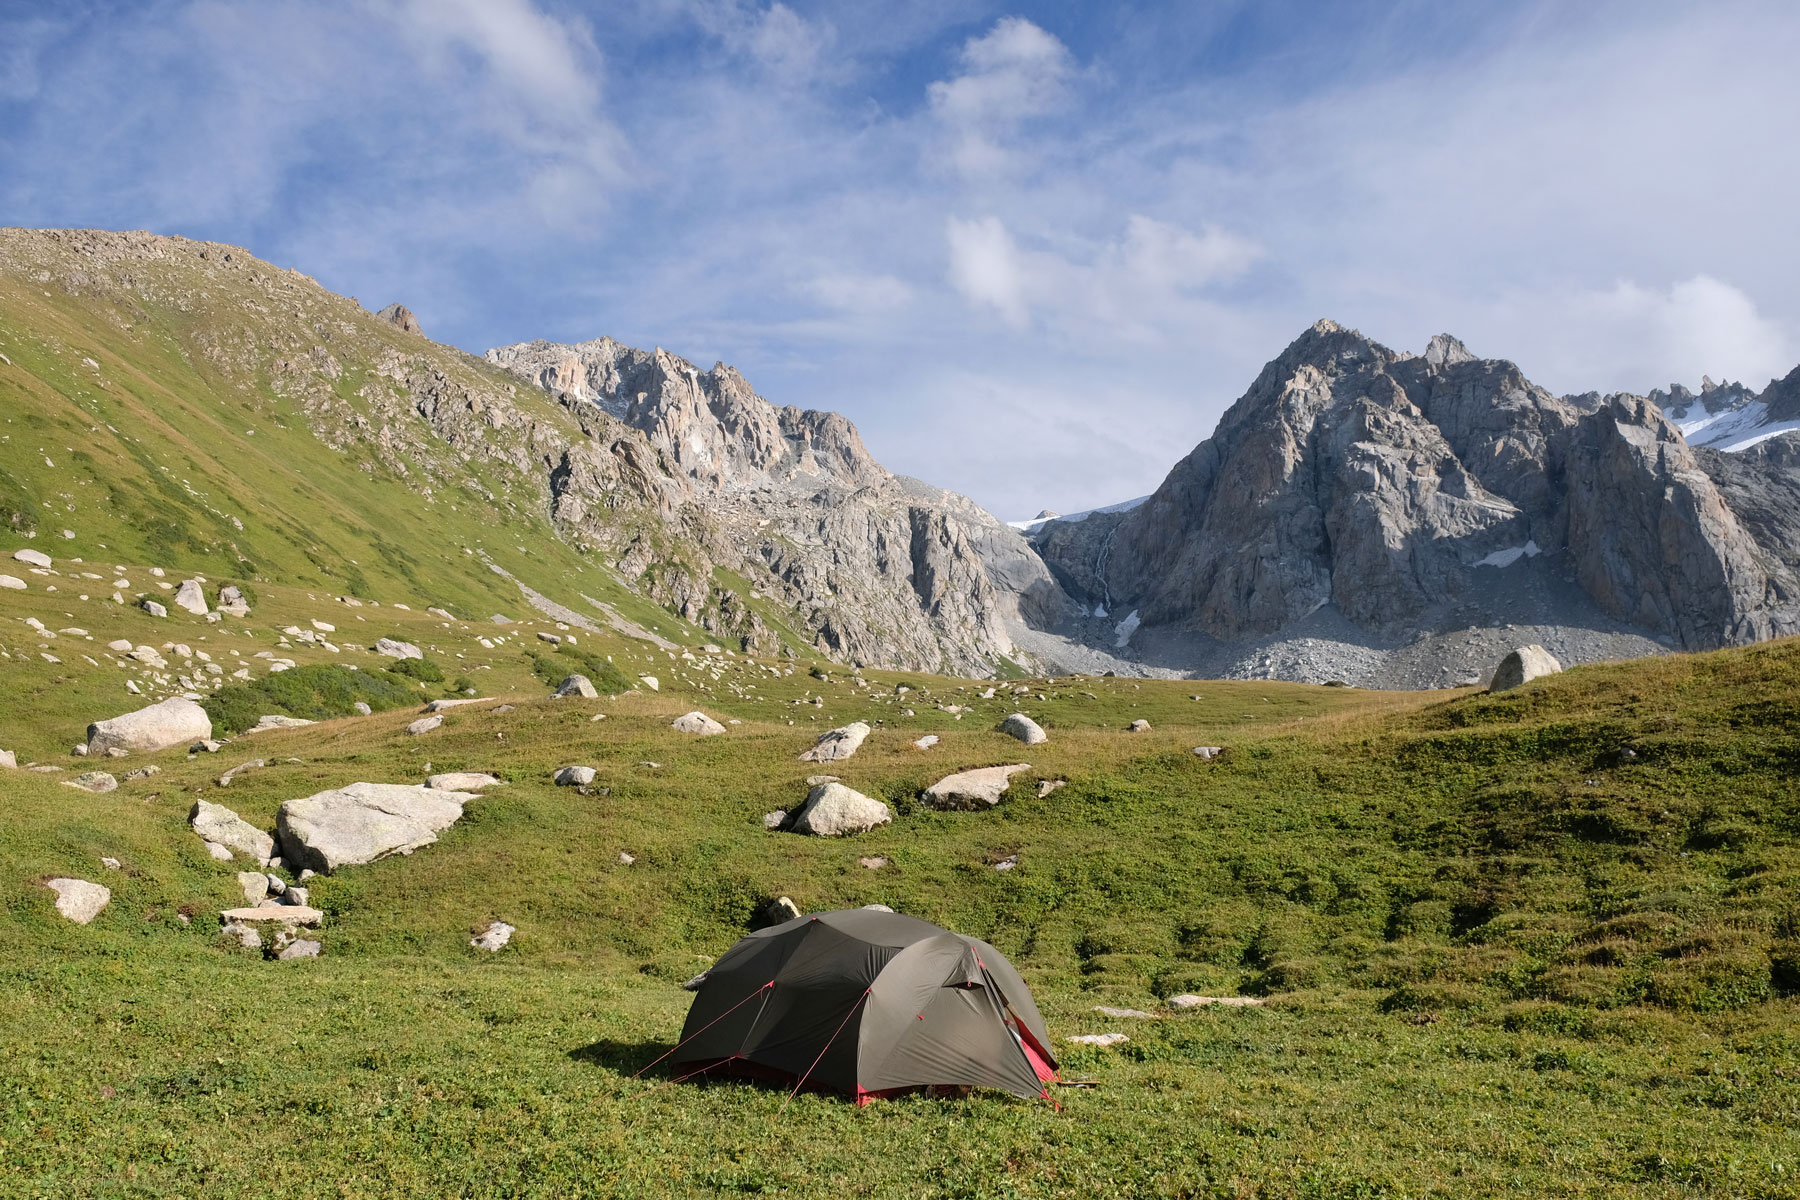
79,900
9,760
493,937
222,853
142,773
283,914
392,648
775,820
693,985
363,709
33,558
274,885
255,886
1121,1012
1188,1000
110,863
295,894
225,779
549,637
625,859
833,810
93,781
835,745
220,826
1046,786
300,948
243,934
1025,729
12,583
780,909
1008,863
79,750
813,781
651,682
575,685
972,790
1138,726
696,723
877,908
1207,751
206,747
575,776
424,725
1097,1039
873,862
462,781
153,608
926,742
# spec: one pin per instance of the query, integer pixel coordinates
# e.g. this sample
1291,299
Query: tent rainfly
868,1003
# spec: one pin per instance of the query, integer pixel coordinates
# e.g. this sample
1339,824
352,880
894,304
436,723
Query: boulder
300,948
835,745
698,723
575,685
574,776
12,583
32,558
779,910
1025,729
154,608
424,725
222,827
231,600
9,760
255,885
190,597
174,722
79,900
1522,666
494,937
775,820
1138,726
651,682
391,648
462,781
93,781
972,790
363,822
833,810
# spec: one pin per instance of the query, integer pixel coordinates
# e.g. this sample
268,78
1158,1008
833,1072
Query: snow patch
1125,629
1731,429
1034,525
1507,557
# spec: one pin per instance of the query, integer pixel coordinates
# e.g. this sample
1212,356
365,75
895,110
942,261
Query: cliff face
1393,486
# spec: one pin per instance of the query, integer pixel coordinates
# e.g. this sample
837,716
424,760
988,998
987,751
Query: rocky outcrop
402,316
362,823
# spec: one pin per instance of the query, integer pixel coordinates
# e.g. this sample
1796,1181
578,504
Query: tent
868,1003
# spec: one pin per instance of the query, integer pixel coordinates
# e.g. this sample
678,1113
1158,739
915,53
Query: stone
1025,729
626,858
363,709
189,596
873,862
93,781
219,851
295,894
401,317
252,765
437,706
109,862
462,781
694,984
12,583
493,937
173,722
80,750
392,648
1046,786
1097,1039
121,646
1522,666
273,914
1010,862
575,776
206,746
833,810
9,760
972,790
575,685
220,826
1106,1011
243,934
231,600
255,886
33,558
780,909
926,742
775,820
552,638
79,900
1208,752
362,823
651,682
1188,1000
143,772
696,723
153,608
813,781
300,948
877,908
274,885
835,745
277,721
424,725
1138,726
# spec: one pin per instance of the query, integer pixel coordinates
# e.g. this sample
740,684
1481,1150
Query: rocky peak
1445,350
399,314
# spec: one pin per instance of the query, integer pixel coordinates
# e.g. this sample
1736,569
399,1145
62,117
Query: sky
1033,250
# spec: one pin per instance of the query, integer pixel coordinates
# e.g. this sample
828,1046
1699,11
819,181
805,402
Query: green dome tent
868,1003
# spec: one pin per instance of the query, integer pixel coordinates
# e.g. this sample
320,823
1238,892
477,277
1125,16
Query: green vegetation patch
317,693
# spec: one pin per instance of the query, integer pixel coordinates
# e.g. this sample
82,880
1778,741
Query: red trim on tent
1045,1072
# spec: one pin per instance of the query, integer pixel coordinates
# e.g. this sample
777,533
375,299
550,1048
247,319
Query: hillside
1526,944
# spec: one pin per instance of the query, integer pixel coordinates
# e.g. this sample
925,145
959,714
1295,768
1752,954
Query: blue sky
1033,250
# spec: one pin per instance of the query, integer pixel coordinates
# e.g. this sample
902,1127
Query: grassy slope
1502,957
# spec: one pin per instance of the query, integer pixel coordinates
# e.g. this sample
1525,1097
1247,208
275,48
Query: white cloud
987,268
1013,72
860,293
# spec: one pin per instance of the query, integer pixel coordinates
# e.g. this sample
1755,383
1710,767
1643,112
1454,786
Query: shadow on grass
623,1058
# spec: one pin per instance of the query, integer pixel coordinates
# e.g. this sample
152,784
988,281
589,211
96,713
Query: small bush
422,669
572,660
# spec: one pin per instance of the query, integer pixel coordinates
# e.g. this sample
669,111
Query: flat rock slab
833,810
392,648
462,781
1106,1011
1188,1000
280,914
424,725
697,723
1097,1039
362,823
93,781
174,722
440,705
972,790
79,900
222,827
835,745
1025,729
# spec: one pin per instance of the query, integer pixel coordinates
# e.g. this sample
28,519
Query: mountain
1729,416
1358,503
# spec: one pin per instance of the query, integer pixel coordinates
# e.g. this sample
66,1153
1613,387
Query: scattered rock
1046,786
1025,729
231,600
244,935
440,705
362,823
12,583
926,742
698,723
493,937
153,608
207,746
972,790
144,772
1097,1039
1138,726
813,781
171,723
833,810
277,721
424,725
9,760
626,859
190,597
255,885
277,914
693,985
1188,1000
33,558
1008,863
300,948
1208,751
775,820
651,682
575,685
835,745
392,648
873,862
80,750
877,908
780,909
574,776
1121,1012
462,781
109,862
222,827
225,779
222,853
363,709
79,900
93,781
1522,666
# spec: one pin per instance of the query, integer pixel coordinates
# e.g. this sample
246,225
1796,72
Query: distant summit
402,316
